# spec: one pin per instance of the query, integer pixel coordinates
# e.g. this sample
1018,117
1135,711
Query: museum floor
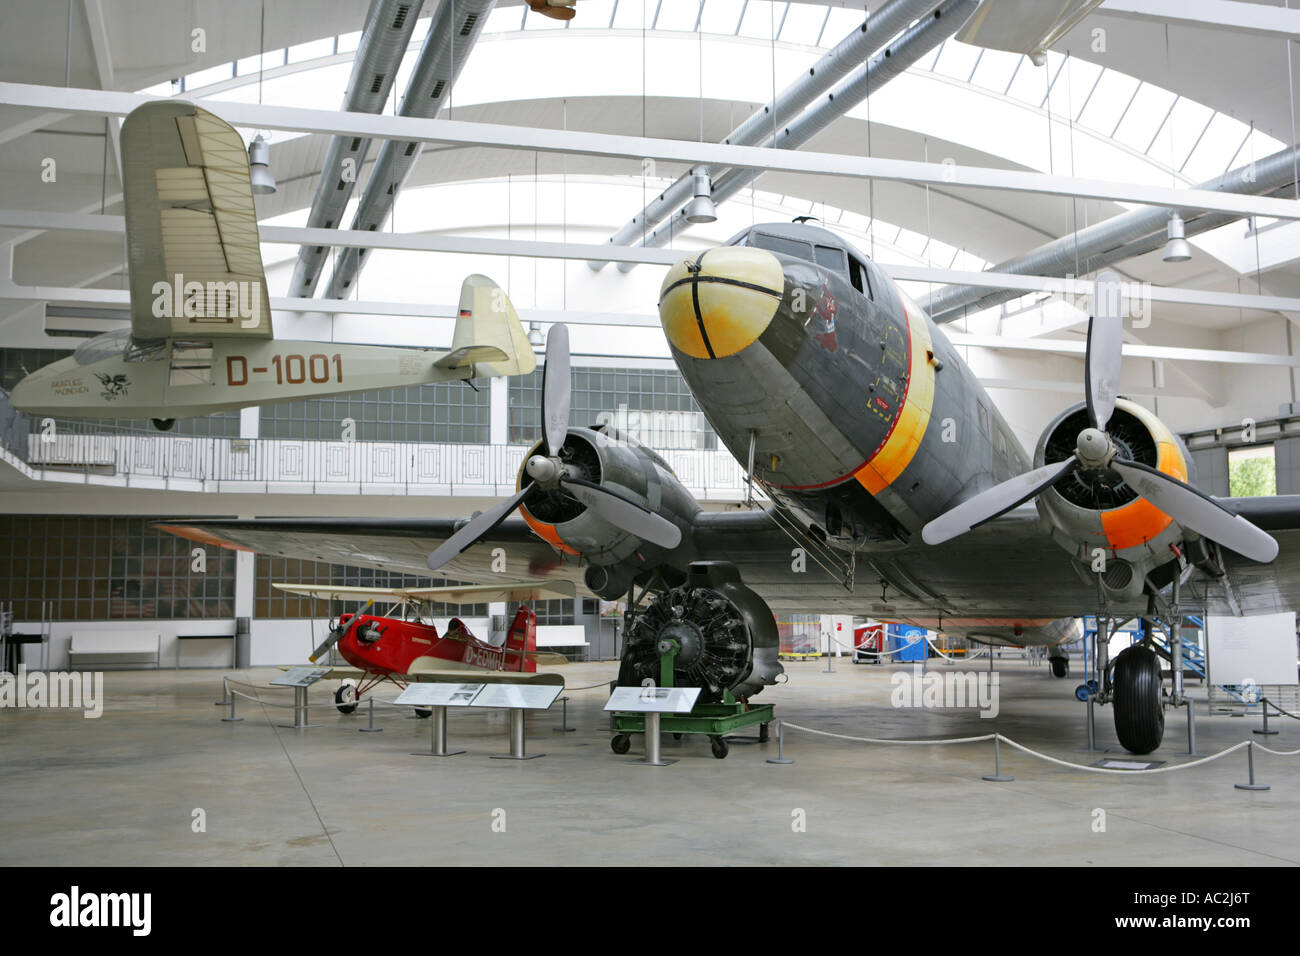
124,789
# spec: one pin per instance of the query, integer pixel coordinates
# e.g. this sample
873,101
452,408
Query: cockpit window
860,277
103,346
830,257
787,247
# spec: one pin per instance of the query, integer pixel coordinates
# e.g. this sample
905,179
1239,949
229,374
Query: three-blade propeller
549,472
1095,451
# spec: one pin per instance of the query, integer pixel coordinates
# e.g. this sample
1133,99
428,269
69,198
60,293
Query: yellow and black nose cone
720,301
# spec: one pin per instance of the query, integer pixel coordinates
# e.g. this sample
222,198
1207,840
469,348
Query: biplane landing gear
1139,707
345,698
164,424
621,743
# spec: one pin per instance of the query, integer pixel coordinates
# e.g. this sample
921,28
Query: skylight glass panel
313,50
927,62
1072,87
214,74
507,20
1216,149
348,42
1144,115
675,15
803,24
840,23
1104,108
1030,83
762,18
721,16
995,69
957,60
1181,132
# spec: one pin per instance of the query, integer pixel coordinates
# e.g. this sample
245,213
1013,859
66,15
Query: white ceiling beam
540,249
97,26
1232,15
495,136
15,122
122,298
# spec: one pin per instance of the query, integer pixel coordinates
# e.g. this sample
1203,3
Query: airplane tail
523,639
488,332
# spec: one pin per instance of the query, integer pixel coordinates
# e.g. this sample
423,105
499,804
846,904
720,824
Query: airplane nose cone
718,302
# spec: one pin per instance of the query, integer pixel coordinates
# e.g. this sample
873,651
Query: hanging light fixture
701,208
259,166
534,334
1176,248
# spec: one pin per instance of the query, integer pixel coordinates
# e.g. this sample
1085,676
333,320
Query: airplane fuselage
109,378
860,414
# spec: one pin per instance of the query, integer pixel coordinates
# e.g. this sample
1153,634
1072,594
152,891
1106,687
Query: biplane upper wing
449,594
195,264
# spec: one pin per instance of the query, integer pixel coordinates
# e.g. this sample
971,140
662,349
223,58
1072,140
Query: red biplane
404,645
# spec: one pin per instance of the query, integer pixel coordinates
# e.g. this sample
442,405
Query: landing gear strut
1060,666
345,698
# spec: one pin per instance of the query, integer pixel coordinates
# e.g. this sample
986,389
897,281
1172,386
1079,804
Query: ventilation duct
384,39
1119,238
895,59
875,32
455,29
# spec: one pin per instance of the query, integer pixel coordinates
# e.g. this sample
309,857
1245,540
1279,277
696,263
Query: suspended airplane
897,491
200,339
404,645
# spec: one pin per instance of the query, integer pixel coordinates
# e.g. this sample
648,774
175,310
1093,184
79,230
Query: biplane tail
522,638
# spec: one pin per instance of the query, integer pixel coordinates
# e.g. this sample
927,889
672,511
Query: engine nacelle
616,557
1095,509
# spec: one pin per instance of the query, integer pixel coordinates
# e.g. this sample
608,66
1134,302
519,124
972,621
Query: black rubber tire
341,695
423,713
720,748
763,733
621,743
677,736
164,424
1139,710
1060,666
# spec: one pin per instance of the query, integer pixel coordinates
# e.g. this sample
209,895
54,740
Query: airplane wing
1005,574
195,265
449,594
465,676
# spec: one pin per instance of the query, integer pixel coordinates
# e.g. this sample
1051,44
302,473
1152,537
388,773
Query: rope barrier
1035,753
1284,713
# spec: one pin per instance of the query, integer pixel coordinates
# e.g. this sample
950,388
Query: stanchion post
371,729
997,776
564,727
1250,783
780,745
225,692
1191,729
231,719
1264,731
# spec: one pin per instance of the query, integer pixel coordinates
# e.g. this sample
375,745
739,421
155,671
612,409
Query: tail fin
522,638
488,332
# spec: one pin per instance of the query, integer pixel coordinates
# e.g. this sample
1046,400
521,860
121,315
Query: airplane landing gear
345,698
1060,666
164,424
1139,706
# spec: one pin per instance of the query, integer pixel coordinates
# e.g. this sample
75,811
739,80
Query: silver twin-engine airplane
200,339
883,459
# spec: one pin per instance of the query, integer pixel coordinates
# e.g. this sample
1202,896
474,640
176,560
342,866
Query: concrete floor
122,789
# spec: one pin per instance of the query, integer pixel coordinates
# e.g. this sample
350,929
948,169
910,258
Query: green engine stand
715,720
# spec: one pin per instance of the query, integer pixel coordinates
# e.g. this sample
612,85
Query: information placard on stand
517,698
653,700
300,676
439,695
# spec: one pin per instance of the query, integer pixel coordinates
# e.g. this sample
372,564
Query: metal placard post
438,697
